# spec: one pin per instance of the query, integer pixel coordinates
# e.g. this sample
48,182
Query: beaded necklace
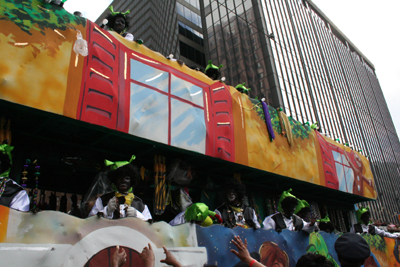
3,185
37,174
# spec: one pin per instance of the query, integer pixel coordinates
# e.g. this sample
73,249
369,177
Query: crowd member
170,259
285,218
118,258
243,253
352,250
12,195
233,211
147,256
197,213
364,225
121,202
314,260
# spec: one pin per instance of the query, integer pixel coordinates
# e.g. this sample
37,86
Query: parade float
71,109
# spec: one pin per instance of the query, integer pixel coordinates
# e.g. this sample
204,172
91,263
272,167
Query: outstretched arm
170,259
243,253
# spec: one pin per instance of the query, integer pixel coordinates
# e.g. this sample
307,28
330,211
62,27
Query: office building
289,52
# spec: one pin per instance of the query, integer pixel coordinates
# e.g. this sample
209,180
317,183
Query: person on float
233,211
197,213
286,219
12,195
121,202
118,22
365,226
326,225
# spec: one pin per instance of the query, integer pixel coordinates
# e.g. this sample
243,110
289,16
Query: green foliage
375,241
34,15
298,130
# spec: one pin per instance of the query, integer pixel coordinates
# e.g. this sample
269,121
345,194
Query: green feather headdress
212,66
115,165
243,88
6,149
116,13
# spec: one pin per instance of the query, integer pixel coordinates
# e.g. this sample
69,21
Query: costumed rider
213,71
243,89
122,202
118,22
12,195
365,226
285,218
233,211
197,213
326,225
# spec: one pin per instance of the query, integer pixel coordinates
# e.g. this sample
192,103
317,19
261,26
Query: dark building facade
289,52
169,27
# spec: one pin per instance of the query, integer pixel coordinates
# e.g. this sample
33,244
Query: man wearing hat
12,195
121,202
285,218
234,212
352,250
364,225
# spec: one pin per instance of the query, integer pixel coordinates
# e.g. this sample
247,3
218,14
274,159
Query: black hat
352,248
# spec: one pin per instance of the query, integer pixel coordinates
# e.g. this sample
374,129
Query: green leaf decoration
35,15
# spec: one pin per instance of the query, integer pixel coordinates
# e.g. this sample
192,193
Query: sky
372,26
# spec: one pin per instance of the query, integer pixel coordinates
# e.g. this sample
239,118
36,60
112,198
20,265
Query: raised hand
147,256
119,257
170,259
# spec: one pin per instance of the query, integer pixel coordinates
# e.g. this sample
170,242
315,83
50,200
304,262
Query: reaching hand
112,206
147,256
312,221
242,253
119,257
170,259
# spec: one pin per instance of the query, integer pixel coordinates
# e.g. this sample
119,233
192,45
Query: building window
190,33
166,108
192,54
188,14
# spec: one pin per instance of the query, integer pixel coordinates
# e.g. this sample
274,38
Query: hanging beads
25,172
37,174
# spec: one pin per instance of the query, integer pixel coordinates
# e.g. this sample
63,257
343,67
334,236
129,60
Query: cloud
90,9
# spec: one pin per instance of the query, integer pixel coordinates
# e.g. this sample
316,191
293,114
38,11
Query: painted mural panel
52,238
127,87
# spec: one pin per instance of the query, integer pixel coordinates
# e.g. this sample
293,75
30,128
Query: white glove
112,206
131,212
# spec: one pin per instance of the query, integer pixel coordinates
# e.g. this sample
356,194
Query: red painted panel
331,179
100,92
223,122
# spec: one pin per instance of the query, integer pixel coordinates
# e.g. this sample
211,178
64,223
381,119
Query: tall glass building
289,52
